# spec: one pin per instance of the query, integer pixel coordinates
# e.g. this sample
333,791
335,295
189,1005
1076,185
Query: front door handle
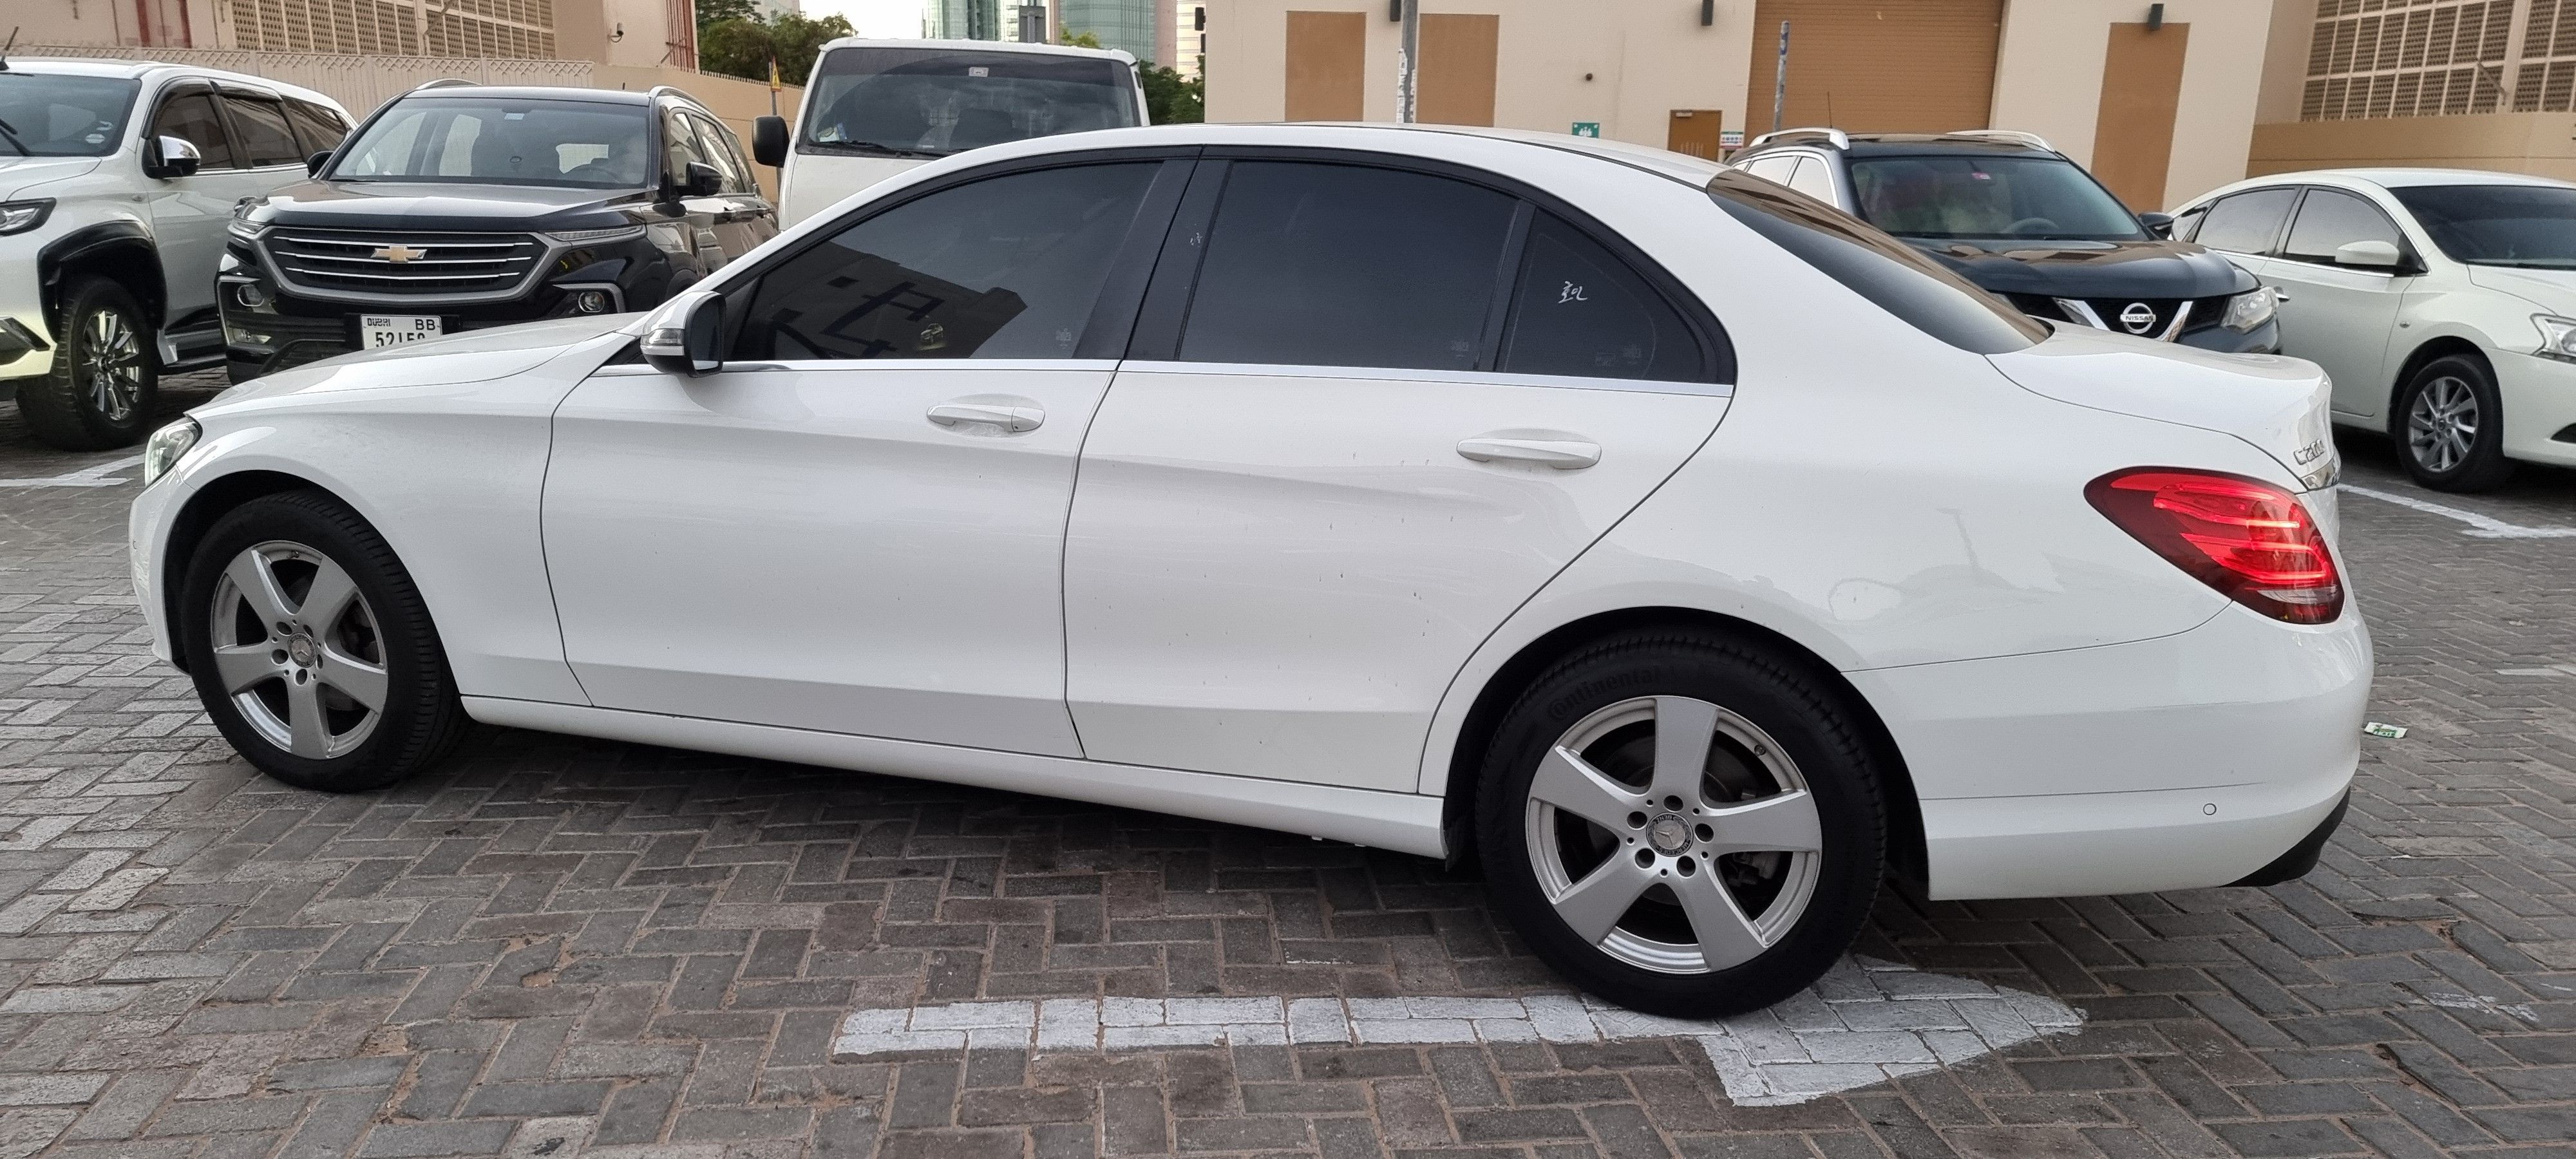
1562,454
1011,419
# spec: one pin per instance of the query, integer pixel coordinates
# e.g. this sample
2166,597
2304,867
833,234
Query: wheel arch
211,502
1906,850
120,251
2425,352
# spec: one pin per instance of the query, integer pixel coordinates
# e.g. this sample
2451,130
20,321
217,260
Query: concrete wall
2543,144
1624,63
2048,80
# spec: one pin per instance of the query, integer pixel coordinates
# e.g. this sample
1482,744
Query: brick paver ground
558,946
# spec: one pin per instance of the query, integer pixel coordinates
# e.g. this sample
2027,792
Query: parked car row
2441,302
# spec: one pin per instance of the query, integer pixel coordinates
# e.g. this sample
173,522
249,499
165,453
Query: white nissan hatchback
1686,552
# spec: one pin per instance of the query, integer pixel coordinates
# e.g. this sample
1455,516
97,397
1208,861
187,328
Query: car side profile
2441,301
1470,494
117,179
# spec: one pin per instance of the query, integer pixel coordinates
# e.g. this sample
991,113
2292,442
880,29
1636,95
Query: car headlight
2557,336
166,447
2251,309
21,216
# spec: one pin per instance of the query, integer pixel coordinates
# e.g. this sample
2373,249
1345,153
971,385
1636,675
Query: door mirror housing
680,338
168,157
2158,224
314,164
698,180
769,140
2369,255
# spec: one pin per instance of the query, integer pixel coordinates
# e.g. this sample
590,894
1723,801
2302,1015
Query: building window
2416,58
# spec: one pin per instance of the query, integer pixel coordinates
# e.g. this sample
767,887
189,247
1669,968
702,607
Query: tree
715,12
1169,99
743,46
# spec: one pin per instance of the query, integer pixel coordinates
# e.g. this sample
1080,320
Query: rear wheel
1681,824
312,650
103,390
2450,426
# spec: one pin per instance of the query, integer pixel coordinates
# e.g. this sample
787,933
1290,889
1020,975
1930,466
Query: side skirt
1402,822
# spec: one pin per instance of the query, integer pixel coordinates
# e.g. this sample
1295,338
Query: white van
874,108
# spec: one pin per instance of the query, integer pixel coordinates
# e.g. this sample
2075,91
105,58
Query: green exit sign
1587,128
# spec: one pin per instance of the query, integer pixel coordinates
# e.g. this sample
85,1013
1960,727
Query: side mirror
2159,224
701,180
313,164
680,338
769,140
2374,255
167,157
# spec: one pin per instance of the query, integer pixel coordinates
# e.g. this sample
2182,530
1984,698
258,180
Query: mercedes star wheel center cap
1669,834
301,648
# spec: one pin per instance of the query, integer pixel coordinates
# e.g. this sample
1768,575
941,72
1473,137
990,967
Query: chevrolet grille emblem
398,252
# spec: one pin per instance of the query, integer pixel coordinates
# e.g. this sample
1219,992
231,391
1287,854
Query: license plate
376,330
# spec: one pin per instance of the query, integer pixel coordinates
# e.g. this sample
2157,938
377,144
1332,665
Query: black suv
2020,219
459,207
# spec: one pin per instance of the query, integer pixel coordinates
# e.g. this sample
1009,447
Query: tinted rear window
1896,276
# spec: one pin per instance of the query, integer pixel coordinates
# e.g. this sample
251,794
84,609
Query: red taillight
2247,538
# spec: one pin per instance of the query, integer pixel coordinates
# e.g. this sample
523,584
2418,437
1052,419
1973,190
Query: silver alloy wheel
298,649
1674,834
2442,424
111,364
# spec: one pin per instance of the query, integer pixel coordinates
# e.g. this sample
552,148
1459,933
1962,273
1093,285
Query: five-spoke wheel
298,650
1685,824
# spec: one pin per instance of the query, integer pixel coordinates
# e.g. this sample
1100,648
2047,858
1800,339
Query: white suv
2442,301
117,179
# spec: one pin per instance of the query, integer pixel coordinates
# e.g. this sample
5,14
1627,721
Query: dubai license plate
376,330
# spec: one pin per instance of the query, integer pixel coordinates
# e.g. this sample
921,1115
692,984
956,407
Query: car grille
2145,317
363,262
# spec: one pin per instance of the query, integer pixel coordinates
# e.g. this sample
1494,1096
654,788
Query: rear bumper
2194,760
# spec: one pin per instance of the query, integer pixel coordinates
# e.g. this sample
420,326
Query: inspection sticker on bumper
376,330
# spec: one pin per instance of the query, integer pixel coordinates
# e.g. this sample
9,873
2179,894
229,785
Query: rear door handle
1011,419
1562,454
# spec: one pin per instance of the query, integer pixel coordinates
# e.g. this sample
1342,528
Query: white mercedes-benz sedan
1686,553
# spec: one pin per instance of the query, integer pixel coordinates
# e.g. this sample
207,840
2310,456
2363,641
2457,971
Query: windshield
930,102
503,142
1966,196
51,115
2498,225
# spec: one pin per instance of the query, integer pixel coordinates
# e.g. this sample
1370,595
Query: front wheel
311,648
103,389
1685,825
2450,426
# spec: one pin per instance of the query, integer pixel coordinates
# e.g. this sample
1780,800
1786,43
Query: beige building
2472,84
2159,99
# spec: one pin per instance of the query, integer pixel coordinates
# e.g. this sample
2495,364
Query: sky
895,18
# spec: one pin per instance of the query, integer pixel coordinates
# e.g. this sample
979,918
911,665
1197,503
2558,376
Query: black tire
419,718
1764,694
2429,443
100,394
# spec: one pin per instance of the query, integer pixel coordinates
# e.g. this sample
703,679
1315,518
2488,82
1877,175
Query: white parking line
85,477
1862,1024
2480,526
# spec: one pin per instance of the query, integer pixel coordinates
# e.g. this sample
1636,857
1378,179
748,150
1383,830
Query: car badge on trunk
398,252
2137,319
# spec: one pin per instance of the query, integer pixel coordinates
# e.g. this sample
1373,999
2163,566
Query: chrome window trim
813,365
1466,377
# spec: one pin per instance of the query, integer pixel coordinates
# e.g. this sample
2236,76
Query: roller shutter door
1886,66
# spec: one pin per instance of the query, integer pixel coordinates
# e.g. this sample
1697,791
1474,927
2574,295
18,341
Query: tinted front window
2330,219
1978,196
1343,265
1579,310
50,115
505,142
1007,267
1896,276
264,134
2498,225
895,101
679,147
191,118
2247,223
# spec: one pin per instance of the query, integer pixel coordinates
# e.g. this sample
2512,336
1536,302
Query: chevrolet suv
116,181
2018,218
459,207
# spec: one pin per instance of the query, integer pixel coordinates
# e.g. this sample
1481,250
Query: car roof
1904,145
2401,178
540,93
983,46
143,69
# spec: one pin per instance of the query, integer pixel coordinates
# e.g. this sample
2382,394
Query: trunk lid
2277,404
